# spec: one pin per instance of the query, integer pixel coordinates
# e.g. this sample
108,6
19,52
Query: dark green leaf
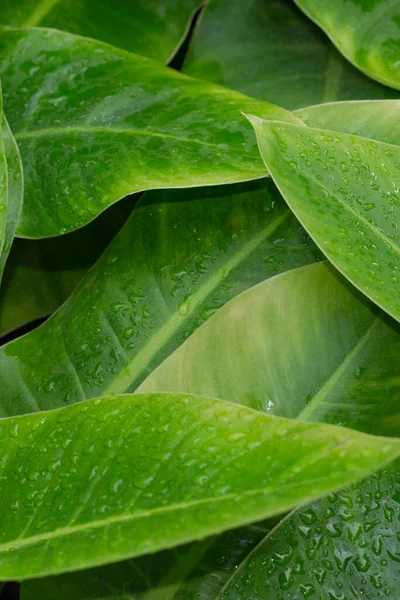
152,28
269,50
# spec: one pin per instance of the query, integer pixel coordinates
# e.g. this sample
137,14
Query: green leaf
283,60
190,572
180,257
41,274
12,205
118,477
355,383
95,123
366,32
345,546
266,349
148,27
376,119
344,190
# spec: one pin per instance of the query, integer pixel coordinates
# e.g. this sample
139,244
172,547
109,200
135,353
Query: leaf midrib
321,395
17,543
51,131
141,359
40,12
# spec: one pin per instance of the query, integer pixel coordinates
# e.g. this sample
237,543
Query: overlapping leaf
148,27
271,51
86,484
267,349
95,123
366,32
345,191
179,258
354,383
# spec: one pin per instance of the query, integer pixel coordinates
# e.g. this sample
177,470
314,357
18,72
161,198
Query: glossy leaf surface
12,205
376,119
352,535
94,479
190,572
345,190
180,257
95,123
284,59
366,32
266,349
149,27
343,547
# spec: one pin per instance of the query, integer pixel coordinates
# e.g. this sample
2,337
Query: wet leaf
345,190
95,123
181,256
366,32
270,50
86,484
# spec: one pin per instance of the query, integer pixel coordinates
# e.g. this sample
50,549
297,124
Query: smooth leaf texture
94,479
95,123
376,119
267,349
152,28
269,50
345,190
180,257
367,32
343,547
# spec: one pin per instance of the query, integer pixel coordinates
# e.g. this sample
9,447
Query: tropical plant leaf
341,547
344,532
148,27
95,123
41,274
279,331
179,258
284,60
344,190
190,572
376,119
94,479
367,33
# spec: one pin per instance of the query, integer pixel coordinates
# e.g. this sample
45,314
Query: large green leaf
95,123
267,349
367,32
190,572
346,546
345,190
41,274
358,387
118,477
179,258
269,50
152,28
